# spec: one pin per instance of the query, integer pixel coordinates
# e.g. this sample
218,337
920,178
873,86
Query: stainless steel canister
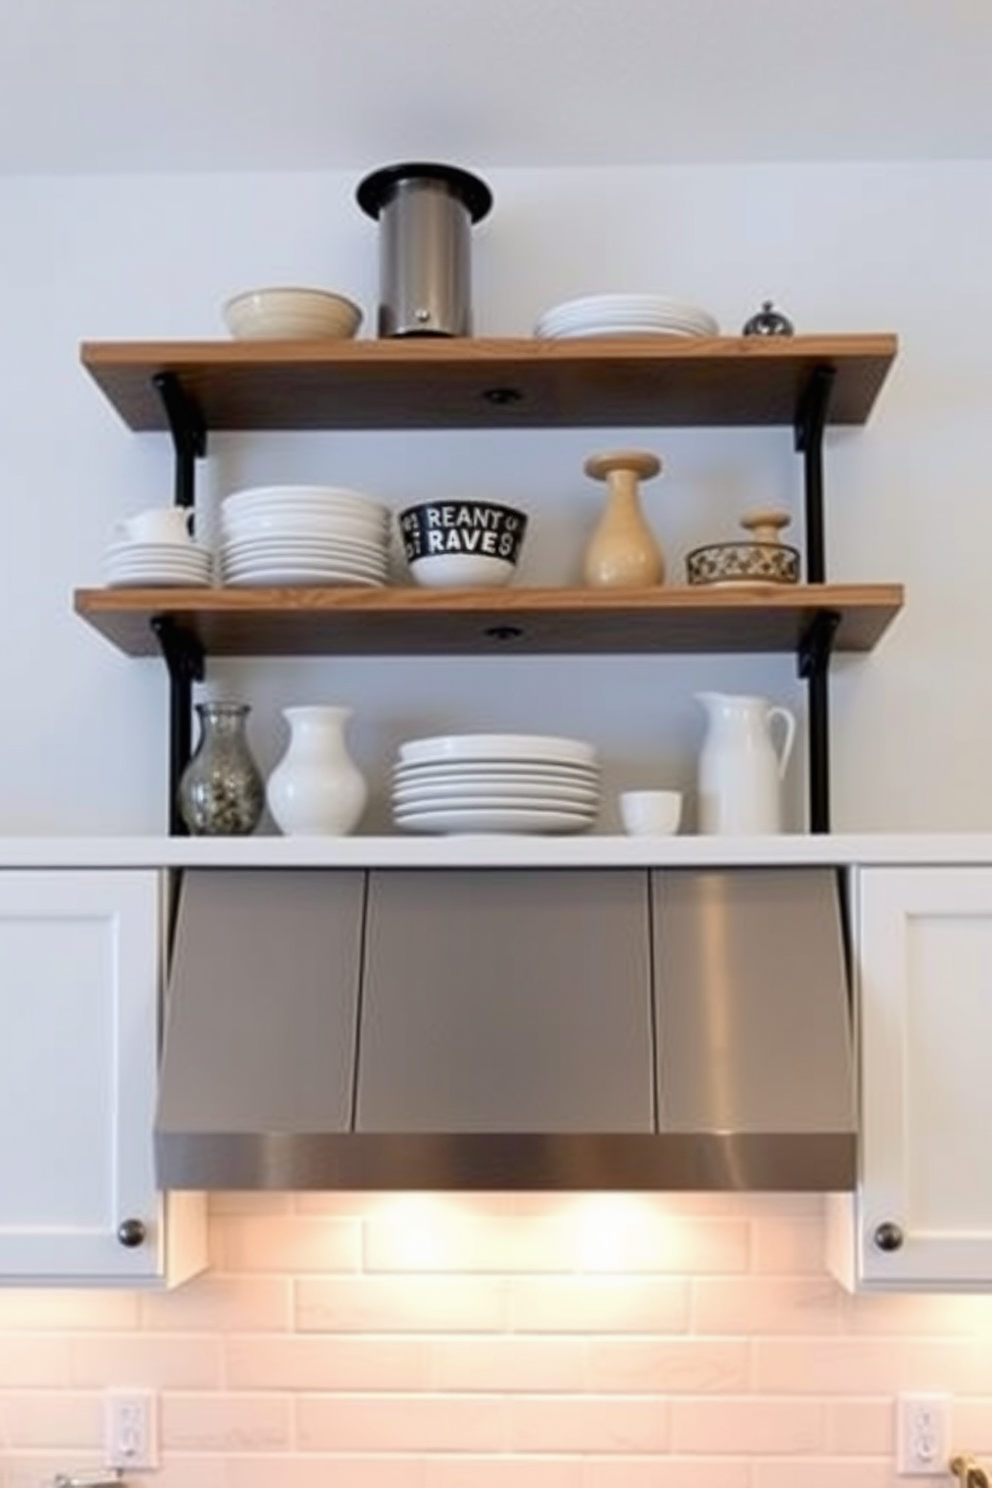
425,214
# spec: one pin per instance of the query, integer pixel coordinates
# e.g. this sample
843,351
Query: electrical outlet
923,1430
131,1429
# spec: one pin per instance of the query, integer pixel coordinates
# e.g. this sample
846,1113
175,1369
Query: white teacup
159,524
651,813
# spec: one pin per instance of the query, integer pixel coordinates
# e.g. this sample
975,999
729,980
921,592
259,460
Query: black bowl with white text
462,544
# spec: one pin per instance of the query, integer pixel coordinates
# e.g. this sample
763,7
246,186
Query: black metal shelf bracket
815,648
189,433
184,660
183,654
814,653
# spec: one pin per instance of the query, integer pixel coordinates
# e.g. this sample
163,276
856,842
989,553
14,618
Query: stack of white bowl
313,535
625,315
496,783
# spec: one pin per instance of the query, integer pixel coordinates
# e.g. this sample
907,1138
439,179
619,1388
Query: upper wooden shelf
399,621
492,384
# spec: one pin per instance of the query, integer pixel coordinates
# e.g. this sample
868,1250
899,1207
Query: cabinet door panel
79,976
506,1001
925,993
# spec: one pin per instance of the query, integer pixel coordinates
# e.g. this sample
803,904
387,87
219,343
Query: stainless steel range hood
507,1029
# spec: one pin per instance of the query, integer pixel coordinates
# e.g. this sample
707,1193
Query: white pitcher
740,770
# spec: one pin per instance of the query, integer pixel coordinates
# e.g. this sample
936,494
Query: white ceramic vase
316,789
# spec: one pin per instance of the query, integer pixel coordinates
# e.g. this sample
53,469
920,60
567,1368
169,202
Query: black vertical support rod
817,644
814,664
183,655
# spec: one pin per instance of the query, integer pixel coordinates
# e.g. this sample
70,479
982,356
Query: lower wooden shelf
401,621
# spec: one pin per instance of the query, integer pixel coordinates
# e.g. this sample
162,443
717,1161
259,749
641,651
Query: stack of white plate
625,315
320,535
496,783
180,565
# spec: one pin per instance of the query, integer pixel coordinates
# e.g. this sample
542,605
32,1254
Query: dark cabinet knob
131,1233
888,1236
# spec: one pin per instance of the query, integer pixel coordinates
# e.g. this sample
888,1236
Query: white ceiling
153,85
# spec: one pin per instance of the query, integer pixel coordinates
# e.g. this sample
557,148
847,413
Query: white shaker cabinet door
80,973
922,1218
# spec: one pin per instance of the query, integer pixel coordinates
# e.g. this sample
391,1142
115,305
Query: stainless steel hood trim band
687,1162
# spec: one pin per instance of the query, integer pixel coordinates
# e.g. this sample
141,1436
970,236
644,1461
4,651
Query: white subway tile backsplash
401,1423
598,1304
599,1234
925,1316
66,1311
225,1422
401,1304
504,1470
591,1424
29,1362
331,1362
221,1303
281,1243
863,1427
971,1421
787,1249
862,1366
430,1239
500,1341
185,1361
825,1472
742,1426
763,1304
510,1364
669,1471
52,1418
660,1367
298,1470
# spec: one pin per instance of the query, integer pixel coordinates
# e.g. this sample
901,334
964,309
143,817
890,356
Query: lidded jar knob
768,322
766,524
623,552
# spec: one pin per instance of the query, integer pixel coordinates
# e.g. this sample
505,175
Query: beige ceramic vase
623,552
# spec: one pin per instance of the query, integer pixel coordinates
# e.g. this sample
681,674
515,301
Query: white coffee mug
159,524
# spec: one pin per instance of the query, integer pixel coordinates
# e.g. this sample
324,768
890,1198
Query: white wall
843,248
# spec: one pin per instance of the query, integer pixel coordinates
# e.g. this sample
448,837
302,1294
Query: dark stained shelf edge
506,622
492,383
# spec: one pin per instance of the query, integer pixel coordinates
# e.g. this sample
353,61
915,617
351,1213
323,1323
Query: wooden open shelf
492,384
402,622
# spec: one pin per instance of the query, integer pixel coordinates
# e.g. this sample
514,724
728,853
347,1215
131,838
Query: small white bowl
291,314
651,813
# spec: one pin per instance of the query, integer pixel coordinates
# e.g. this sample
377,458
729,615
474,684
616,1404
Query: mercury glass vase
221,791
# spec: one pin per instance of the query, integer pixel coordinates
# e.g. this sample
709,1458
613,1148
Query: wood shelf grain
495,622
492,384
